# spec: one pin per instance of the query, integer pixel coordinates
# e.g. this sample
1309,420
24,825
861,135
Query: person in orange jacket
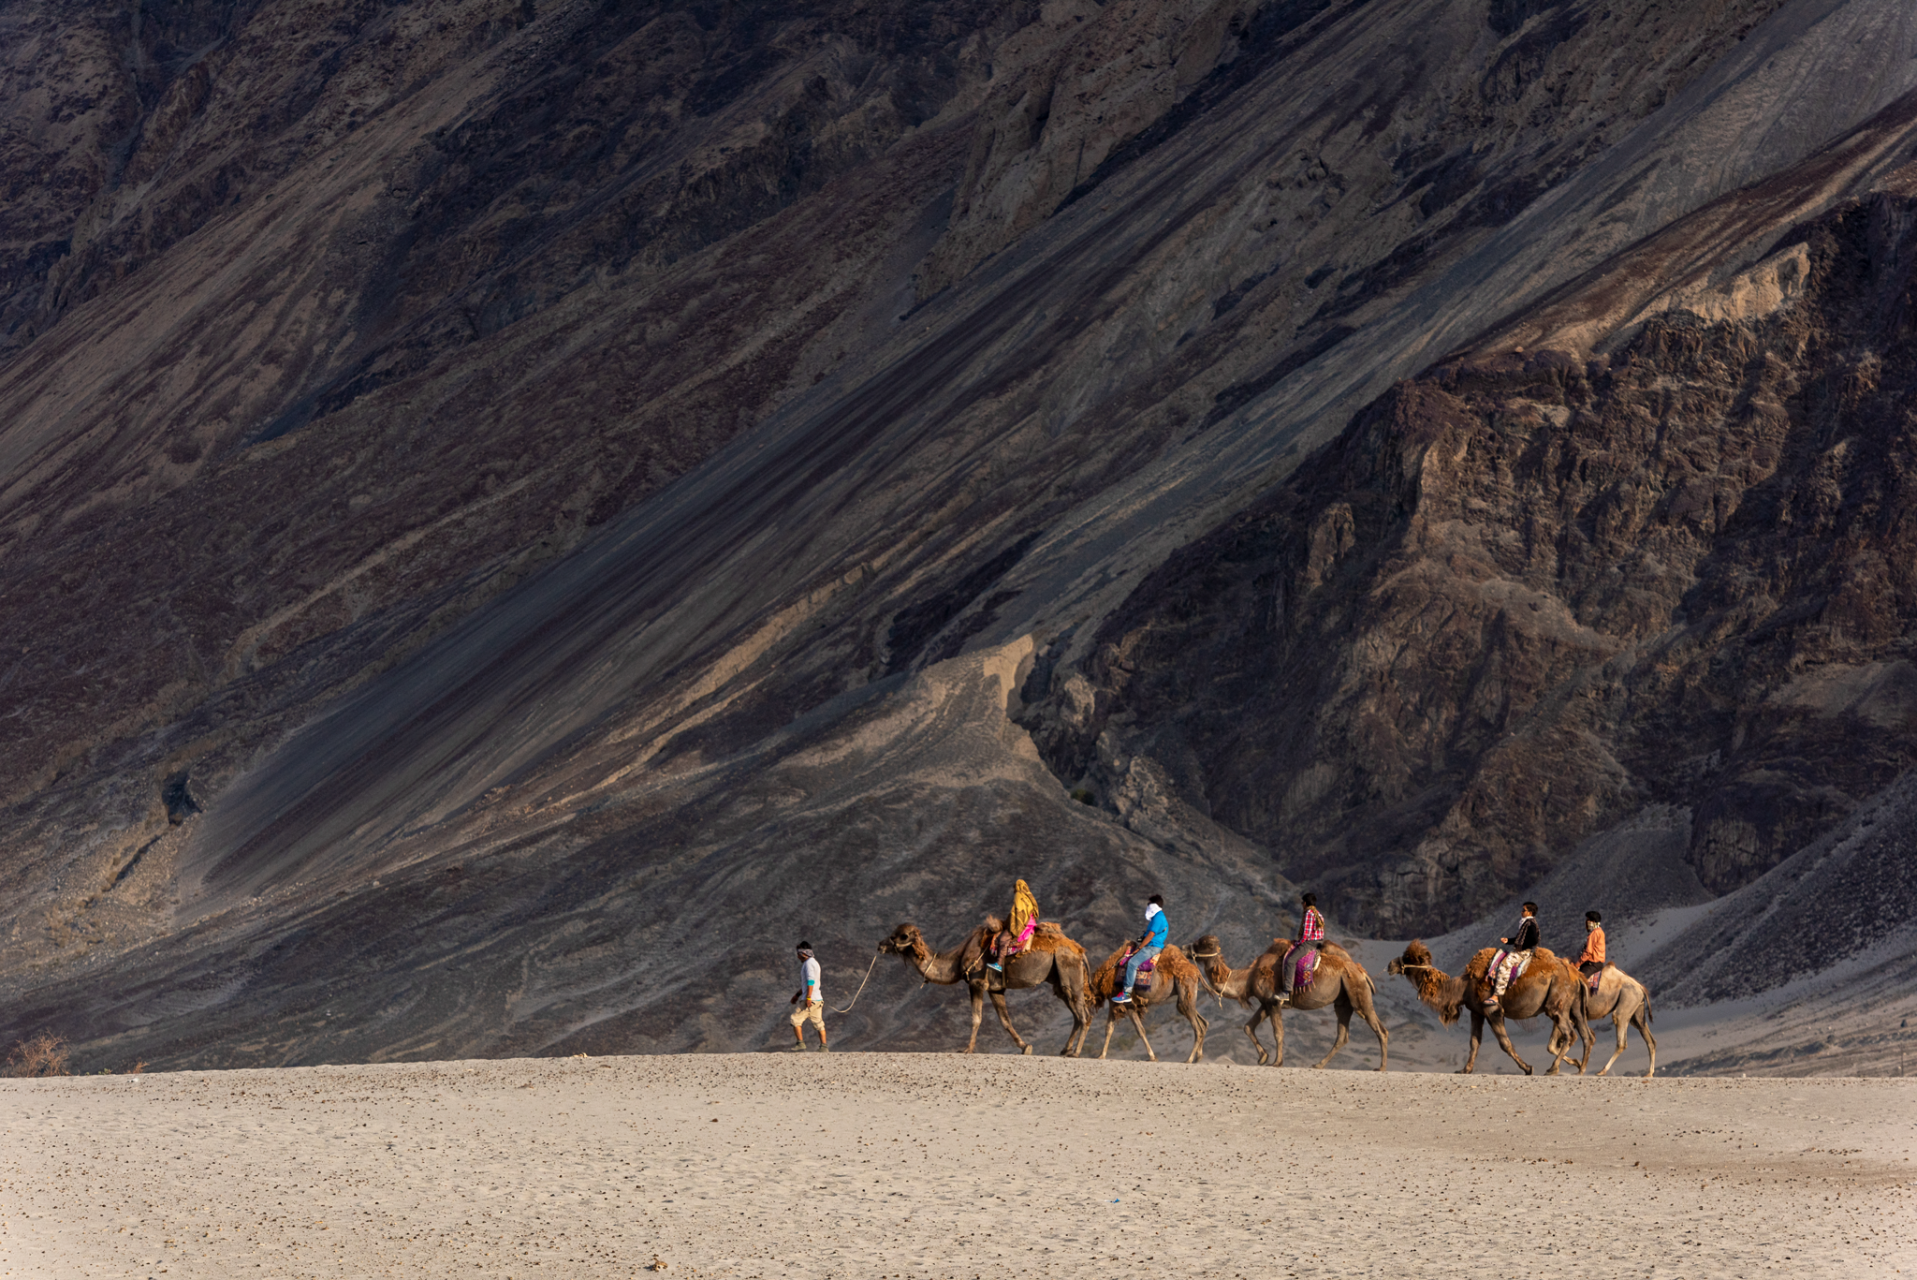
1591,963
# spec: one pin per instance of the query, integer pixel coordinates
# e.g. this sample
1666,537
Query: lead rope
862,981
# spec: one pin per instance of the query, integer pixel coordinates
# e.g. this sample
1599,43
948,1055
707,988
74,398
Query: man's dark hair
805,946
1532,907
1156,900
1594,917
1310,899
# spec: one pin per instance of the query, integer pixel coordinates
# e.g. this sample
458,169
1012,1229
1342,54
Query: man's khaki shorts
812,1011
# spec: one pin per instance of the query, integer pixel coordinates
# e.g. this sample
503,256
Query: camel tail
1647,1007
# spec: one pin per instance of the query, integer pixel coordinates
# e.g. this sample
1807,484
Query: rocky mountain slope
515,511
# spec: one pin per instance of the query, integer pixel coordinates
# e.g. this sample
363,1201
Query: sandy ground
882,1165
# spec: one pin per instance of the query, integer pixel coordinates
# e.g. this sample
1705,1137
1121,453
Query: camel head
1414,954
1207,952
906,940
1440,992
1213,969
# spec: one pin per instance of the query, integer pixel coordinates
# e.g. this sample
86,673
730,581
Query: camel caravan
1518,980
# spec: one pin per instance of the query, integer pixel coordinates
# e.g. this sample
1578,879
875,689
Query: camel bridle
1217,989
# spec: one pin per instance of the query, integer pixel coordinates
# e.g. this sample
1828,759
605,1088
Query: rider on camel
1311,933
1522,942
1149,944
1019,927
1591,963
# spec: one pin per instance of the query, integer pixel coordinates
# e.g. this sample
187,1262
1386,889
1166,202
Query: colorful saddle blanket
1145,970
1516,961
1307,962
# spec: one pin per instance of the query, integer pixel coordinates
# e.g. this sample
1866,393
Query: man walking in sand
810,1000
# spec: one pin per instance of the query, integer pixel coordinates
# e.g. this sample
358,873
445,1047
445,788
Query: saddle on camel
1049,959
1549,986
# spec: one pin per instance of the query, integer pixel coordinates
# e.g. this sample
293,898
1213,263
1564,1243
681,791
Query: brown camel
1341,982
1627,1003
1052,958
1550,986
1175,977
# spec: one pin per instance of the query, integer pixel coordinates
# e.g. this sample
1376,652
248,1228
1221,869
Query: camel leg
1622,1025
1560,1042
1343,1009
1642,1019
1111,1023
1005,1020
1361,1001
978,1015
1504,1043
1477,1036
1277,1015
1068,985
1139,1022
1188,1005
1251,1029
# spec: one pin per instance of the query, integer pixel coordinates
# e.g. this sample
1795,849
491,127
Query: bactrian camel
1550,986
1175,977
1052,959
1626,1002
1340,982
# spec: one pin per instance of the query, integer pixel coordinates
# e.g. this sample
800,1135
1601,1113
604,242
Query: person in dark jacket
1519,946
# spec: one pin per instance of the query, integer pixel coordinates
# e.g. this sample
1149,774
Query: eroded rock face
1526,594
485,469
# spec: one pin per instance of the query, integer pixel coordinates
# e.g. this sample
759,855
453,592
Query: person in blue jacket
1157,929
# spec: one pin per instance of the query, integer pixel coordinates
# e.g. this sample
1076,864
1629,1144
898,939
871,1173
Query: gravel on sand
870,1165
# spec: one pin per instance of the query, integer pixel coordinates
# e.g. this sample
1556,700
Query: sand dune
930,1165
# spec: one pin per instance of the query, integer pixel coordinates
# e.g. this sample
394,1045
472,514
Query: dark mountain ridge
503,501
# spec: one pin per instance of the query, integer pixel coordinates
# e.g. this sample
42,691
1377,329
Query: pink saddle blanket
1307,969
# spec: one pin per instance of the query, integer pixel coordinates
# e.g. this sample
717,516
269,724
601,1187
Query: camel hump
1173,962
1049,935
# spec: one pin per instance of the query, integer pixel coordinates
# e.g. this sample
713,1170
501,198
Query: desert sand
869,1165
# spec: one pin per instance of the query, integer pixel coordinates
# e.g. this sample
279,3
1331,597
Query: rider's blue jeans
1139,957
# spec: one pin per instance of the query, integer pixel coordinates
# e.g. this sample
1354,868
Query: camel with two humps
1627,1003
1341,983
1550,986
1052,960
1174,978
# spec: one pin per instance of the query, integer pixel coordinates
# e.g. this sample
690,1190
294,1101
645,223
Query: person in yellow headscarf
1019,927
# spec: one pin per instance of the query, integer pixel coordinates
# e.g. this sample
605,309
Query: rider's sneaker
995,968
1121,998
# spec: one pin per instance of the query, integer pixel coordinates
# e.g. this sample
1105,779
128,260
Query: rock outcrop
1529,593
